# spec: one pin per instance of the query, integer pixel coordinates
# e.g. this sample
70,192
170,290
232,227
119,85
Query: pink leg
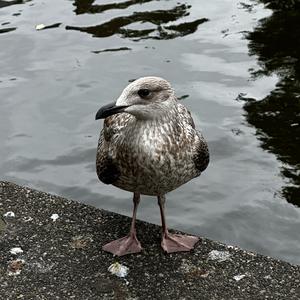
128,244
174,242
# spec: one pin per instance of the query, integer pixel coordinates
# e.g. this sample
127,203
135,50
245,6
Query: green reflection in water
8,3
157,20
88,6
277,117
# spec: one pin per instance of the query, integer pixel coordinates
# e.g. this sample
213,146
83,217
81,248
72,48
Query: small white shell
10,273
16,250
54,217
218,255
239,277
9,214
118,270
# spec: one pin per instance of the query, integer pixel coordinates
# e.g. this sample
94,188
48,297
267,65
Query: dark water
235,65
277,116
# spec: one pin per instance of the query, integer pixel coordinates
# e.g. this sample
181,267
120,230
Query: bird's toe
178,242
126,245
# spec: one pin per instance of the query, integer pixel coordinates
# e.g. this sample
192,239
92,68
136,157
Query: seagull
149,146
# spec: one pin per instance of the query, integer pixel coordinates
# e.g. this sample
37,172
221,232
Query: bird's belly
154,174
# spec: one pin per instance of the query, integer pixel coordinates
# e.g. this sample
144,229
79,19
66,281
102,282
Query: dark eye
143,93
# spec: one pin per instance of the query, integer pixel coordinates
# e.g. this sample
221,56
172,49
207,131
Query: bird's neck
165,125
158,118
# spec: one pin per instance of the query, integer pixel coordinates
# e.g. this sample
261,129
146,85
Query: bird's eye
143,93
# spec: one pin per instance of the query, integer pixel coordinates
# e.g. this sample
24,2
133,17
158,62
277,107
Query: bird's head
144,98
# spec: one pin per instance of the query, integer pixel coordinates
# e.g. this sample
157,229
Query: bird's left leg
173,242
128,244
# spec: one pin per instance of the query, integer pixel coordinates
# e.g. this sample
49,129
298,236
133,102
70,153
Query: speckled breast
154,161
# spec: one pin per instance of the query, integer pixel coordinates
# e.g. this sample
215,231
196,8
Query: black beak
108,110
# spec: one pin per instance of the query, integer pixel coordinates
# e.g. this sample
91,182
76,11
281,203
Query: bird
149,146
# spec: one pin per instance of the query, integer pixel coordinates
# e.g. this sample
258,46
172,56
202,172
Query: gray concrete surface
62,259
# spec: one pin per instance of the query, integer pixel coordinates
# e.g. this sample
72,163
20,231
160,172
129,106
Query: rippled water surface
235,65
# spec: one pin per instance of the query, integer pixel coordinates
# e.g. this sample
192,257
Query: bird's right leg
174,242
128,244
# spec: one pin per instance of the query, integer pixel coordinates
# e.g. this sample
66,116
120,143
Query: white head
145,98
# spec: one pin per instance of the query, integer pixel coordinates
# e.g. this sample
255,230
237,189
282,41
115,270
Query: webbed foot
178,242
125,245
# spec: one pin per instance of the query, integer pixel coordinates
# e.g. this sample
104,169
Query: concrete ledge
62,259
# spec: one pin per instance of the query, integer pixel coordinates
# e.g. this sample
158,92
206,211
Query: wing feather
185,114
201,157
107,171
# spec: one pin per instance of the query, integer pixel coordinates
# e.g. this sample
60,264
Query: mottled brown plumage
152,157
151,148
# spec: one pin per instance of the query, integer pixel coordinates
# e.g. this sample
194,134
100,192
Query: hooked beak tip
109,110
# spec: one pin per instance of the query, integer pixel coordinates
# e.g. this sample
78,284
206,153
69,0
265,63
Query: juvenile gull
149,145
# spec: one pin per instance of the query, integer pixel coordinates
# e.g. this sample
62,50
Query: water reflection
277,117
4,30
154,17
8,3
88,6
112,50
